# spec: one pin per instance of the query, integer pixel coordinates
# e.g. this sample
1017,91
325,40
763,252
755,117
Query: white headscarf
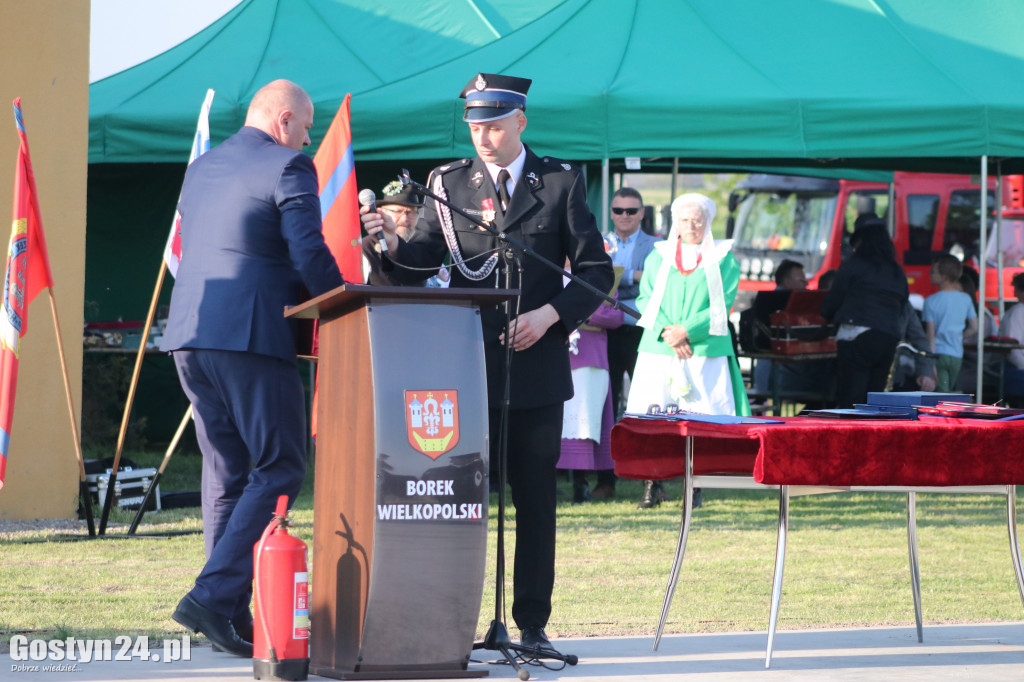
709,259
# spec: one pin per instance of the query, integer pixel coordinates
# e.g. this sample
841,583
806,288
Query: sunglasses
628,211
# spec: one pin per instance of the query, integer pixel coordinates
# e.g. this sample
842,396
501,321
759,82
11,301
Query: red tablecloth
811,451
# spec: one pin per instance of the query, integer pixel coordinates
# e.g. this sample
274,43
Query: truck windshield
785,221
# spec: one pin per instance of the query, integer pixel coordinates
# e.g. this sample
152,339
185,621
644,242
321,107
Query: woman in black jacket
867,301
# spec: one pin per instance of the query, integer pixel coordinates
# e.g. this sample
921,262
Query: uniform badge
488,210
477,179
532,179
480,84
432,425
566,166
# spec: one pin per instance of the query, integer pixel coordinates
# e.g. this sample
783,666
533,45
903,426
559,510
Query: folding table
803,455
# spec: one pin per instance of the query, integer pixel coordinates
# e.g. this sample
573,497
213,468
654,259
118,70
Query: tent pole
999,236
891,212
981,279
675,181
605,200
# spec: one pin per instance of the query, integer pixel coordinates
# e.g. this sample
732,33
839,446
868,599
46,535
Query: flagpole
133,384
83,486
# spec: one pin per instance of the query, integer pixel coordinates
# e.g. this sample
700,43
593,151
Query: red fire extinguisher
281,613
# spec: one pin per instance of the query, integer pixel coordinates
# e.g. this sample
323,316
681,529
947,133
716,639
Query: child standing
948,317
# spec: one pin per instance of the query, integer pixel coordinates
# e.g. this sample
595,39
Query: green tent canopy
147,114
871,84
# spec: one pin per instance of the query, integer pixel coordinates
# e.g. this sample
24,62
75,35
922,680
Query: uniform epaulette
565,165
461,163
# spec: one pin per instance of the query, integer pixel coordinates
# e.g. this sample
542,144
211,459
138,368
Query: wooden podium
401,489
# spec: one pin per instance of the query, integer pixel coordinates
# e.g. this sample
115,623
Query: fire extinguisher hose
271,527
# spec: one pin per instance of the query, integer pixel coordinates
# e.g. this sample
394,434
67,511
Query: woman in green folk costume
686,354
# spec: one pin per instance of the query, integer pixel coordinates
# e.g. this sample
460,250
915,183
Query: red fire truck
810,220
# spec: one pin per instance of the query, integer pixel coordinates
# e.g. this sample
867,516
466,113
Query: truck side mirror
734,201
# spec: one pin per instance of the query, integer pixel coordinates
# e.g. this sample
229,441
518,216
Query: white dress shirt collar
515,170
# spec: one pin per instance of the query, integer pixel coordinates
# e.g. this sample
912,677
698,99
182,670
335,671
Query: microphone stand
497,637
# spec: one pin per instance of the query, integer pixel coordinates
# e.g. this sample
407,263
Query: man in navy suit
251,238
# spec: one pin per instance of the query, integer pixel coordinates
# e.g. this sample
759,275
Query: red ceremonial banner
27,273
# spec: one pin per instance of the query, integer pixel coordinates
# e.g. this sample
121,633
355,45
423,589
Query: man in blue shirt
631,248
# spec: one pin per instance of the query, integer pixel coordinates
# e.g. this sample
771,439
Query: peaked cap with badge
490,96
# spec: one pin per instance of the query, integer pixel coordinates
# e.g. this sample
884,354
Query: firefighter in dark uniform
542,203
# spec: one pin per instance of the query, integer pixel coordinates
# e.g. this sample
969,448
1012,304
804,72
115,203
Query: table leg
1002,374
776,388
780,563
684,532
915,571
1011,526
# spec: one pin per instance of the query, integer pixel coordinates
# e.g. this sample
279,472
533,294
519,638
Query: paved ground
988,652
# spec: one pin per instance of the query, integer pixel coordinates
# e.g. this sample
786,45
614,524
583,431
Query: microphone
368,198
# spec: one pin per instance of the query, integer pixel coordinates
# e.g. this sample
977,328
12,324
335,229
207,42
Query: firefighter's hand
527,329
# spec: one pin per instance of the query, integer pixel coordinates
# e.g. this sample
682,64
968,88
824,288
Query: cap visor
483,114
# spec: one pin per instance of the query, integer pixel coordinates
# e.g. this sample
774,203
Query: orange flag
339,196
339,206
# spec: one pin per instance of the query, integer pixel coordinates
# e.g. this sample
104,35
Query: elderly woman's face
691,225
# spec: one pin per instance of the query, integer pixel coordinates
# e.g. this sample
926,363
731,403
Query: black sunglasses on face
628,211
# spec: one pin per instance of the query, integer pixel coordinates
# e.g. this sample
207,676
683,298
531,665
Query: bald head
284,111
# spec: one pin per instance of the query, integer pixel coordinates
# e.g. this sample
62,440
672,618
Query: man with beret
403,204
541,202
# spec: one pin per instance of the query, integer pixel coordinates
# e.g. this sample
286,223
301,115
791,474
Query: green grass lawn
846,565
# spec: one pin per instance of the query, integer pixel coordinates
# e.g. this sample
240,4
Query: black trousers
863,365
623,343
534,445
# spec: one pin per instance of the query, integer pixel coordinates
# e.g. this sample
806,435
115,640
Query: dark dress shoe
243,627
535,638
603,491
218,629
653,495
